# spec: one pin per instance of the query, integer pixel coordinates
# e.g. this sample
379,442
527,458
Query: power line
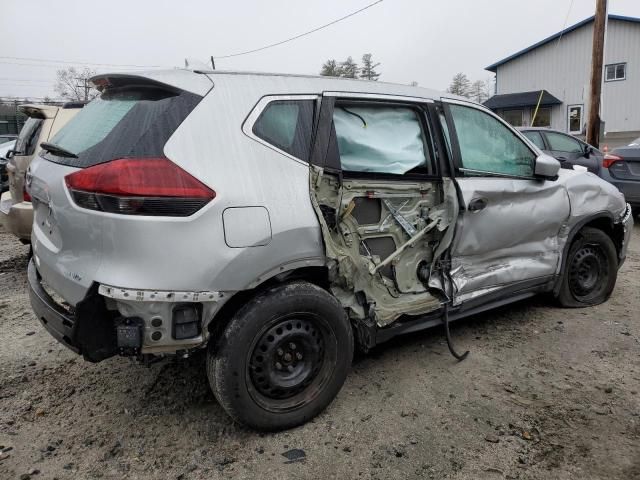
297,36
566,19
41,65
8,79
45,63
67,62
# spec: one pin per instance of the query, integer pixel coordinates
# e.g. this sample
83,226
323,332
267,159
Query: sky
426,41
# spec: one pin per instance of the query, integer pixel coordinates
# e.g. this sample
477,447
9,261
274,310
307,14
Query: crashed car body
282,220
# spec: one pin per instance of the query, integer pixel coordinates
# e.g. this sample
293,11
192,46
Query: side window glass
487,145
287,125
381,139
535,138
563,143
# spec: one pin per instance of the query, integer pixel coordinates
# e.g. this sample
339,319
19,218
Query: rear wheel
283,357
591,270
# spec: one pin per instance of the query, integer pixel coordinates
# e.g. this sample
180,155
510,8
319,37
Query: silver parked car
283,220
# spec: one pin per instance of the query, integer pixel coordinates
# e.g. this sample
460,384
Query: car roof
200,82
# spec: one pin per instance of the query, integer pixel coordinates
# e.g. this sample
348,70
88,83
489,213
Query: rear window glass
123,122
28,139
287,125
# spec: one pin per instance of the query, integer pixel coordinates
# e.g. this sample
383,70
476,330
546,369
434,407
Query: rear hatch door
132,119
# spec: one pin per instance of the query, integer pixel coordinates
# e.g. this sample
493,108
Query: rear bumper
55,319
16,217
88,329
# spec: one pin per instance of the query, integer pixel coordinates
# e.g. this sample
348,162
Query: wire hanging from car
445,272
364,123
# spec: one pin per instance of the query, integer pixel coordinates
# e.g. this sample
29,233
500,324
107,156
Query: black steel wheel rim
588,272
290,361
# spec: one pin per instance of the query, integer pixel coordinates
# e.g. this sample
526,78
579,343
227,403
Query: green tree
368,71
349,68
460,85
330,68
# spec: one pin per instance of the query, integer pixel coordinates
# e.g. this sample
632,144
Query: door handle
477,204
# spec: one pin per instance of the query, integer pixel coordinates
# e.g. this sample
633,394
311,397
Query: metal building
561,65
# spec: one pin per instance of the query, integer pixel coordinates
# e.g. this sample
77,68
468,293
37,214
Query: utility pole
86,87
595,90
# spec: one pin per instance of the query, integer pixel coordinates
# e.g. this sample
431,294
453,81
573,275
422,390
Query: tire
590,271
282,358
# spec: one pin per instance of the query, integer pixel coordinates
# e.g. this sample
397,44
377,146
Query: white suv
283,220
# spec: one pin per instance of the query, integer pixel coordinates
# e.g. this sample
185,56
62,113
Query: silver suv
283,220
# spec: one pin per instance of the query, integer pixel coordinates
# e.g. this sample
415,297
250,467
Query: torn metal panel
381,269
515,237
538,215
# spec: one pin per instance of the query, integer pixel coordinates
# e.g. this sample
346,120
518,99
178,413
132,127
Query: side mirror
588,150
11,153
546,167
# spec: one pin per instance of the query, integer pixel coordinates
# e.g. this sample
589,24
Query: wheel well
317,275
603,223
614,231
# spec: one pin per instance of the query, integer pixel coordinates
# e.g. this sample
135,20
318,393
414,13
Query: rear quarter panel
191,253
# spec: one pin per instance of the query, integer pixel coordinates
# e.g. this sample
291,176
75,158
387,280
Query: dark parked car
621,167
566,148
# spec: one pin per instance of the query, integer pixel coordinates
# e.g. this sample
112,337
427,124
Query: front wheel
283,357
591,270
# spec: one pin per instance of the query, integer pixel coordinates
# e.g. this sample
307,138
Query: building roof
521,99
494,67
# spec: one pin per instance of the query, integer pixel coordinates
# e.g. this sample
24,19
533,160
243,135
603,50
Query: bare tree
349,68
368,70
73,84
330,68
478,91
460,85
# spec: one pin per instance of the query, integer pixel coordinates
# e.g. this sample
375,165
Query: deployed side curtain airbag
379,139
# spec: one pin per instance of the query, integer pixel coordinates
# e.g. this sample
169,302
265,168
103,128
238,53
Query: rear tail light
609,160
25,195
139,186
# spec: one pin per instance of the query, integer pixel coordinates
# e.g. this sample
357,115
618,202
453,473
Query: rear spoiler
176,80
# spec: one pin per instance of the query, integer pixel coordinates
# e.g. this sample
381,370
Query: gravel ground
545,393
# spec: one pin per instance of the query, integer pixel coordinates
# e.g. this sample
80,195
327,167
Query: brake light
139,186
609,160
25,195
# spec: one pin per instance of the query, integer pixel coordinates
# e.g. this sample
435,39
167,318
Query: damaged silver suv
281,221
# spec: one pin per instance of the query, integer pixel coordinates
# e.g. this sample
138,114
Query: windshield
6,139
122,122
28,139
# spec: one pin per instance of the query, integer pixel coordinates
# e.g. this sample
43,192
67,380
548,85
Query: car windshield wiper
57,150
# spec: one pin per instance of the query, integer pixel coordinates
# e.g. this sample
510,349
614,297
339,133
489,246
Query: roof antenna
213,64
186,63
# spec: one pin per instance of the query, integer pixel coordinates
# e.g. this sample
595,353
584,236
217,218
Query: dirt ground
545,393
